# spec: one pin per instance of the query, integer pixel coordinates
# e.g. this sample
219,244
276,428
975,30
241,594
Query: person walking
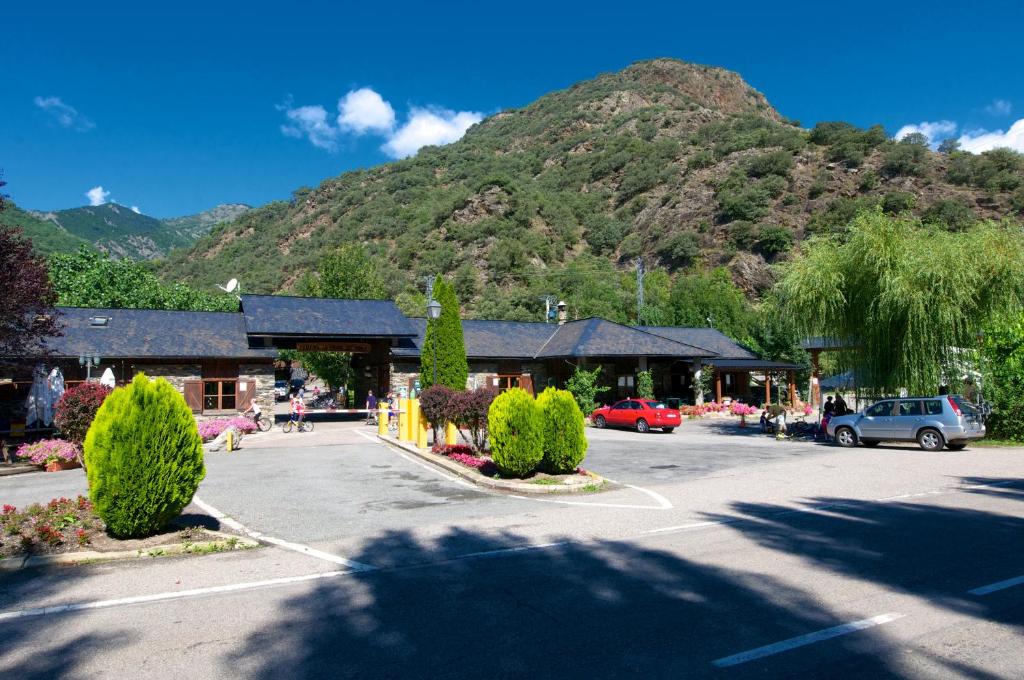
371,408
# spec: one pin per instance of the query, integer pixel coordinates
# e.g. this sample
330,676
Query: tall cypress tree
446,331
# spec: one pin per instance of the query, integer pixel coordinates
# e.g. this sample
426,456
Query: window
507,382
622,406
626,381
882,408
933,407
909,408
219,395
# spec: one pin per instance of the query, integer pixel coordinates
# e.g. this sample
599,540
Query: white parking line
161,597
802,640
1000,585
287,545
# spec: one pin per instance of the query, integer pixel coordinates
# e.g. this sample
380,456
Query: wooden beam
718,385
767,388
791,378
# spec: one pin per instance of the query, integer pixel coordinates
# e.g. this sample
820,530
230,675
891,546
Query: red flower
9,509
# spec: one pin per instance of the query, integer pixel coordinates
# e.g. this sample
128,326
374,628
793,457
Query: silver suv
933,422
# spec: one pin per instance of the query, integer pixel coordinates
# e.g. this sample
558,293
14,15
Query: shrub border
516,485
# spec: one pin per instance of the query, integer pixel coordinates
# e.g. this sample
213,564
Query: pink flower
48,450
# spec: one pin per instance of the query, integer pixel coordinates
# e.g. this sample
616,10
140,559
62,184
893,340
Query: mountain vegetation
115,229
684,166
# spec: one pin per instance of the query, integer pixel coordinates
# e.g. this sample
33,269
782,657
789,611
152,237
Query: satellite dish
231,287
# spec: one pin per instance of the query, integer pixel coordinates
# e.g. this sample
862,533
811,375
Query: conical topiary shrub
144,457
515,431
565,442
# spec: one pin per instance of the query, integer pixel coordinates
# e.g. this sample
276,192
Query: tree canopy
904,299
26,304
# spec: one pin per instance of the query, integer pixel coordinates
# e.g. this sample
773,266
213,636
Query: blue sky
180,107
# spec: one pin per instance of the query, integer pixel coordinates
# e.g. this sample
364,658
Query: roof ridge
641,330
687,344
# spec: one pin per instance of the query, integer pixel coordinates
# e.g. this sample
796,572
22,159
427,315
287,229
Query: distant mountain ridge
117,229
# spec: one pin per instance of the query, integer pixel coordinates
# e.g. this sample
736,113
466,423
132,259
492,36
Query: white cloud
934,131
977,141
427,127
97,196
65,115
311,122
135,209
364,110
999,107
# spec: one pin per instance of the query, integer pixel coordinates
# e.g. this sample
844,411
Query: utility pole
548,301
639,289
429,283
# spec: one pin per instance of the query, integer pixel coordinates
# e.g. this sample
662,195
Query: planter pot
58,465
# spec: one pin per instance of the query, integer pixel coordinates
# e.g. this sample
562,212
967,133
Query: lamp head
433,309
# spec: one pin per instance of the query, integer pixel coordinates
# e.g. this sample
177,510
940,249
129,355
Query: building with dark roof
222,360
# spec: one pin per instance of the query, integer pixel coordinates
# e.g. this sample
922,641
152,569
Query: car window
622,406
965,406
655,404
933,407
635,405
882,408
909,408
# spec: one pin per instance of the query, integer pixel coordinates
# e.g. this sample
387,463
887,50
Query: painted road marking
161,597
802,640
287,545
663,503
1001,585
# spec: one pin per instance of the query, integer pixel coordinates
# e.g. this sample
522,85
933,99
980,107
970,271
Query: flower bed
210,429
62,525
49,451
465,455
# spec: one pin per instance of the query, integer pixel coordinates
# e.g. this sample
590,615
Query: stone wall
479,372
176,374
263,375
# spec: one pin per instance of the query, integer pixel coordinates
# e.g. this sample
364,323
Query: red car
642,414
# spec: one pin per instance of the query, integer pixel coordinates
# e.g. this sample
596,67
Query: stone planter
58,465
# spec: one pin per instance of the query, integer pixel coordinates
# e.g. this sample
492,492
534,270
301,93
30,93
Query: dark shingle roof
282,315
533,339
706,338
151,333
487,339
596,337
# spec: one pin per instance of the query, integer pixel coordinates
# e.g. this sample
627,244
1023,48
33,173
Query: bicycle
263,423
300,425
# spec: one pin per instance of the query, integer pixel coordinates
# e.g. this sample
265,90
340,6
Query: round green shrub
565,443
144,457
516,433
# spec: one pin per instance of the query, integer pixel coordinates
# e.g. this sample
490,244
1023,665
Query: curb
499,484
92,556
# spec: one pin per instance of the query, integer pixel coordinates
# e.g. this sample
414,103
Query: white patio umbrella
107,379
56,384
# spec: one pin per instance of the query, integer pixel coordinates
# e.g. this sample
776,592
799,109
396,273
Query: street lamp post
433,313
89,362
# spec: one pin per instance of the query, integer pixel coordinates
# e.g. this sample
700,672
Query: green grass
546,481
997,443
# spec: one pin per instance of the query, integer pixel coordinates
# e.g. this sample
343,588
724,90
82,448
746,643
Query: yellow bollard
382,419
403,418
451,434
414,419
231,440
423,429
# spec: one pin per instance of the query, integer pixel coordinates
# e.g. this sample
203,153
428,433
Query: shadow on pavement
576,610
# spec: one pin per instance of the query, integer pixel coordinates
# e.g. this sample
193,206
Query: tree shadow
1010,488
607,609
932,552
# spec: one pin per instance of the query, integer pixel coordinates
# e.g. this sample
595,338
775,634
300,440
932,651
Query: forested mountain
685,166
118,230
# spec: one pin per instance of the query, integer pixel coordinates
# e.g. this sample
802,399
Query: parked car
280,390
641,414
933,422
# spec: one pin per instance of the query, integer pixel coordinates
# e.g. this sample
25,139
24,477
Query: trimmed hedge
516,433
565,443
144,457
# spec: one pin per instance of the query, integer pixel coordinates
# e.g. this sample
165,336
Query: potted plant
52,454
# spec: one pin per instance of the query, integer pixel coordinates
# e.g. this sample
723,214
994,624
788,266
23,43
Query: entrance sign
351,347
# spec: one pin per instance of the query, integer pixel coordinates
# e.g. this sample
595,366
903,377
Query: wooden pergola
742,369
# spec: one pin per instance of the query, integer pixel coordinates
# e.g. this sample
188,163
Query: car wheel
870,443
642,426
929,439
846,437
667,430
599,422
956,446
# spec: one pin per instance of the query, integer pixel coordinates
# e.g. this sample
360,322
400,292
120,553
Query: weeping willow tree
906,301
